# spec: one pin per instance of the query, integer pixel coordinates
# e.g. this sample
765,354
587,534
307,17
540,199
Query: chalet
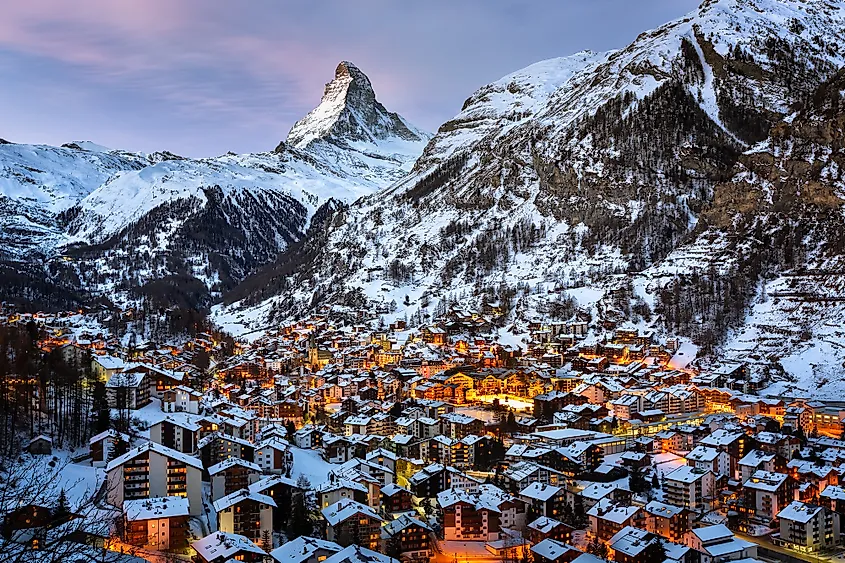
396,499
128,390
759,460
216,447
766,493
666,520
544,499
629,545
247,513
104,367
349,519
178,434
335,490
40,445
160,524
736,444
709,459
690,487
457,425
107,445
411,535
548,528
607,518
273,455
230,475
808,527
553,551
718,543
479,516
181,399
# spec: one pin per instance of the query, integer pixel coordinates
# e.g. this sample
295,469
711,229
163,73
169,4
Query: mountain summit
350,113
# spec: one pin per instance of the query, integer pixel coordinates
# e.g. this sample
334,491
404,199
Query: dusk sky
202,77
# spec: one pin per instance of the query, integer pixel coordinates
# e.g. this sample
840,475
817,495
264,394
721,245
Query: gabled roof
539,491
269,481
798,511
239,496
150,508
225,545
607,510
344,509
302,548
552,549
356,554
231,462
157,448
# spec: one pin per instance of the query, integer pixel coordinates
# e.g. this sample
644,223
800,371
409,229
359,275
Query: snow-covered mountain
109,222
572,176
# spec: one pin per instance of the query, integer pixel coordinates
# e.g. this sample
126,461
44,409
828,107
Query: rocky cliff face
350,113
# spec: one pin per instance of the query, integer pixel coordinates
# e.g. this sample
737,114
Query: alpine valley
690,183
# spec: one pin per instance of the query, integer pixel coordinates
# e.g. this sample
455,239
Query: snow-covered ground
310,464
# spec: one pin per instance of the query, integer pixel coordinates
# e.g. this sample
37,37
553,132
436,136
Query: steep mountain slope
111,223
779,222
576,169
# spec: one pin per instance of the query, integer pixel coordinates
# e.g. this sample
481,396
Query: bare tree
37,525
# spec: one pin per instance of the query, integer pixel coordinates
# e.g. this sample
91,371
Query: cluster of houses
426,440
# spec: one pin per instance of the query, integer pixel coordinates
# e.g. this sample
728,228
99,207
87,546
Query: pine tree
655,552
299,522
511,423
266,541
62,507
655,483
100,406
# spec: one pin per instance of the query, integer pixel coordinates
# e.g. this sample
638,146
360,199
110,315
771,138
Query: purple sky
202,77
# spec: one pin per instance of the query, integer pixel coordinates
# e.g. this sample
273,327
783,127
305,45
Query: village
342,438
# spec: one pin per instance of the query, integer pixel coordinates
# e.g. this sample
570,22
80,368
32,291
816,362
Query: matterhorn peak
350,113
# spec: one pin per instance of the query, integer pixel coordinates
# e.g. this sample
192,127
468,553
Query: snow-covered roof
552,549
302,548
765,481
606,510
242,495
223,545
687,474
711,533
232,462
833,492
721,437
598,491
539,491
703,453
151,508
109,362
658,508
157,448
345,509
798,511
544,524
356,554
